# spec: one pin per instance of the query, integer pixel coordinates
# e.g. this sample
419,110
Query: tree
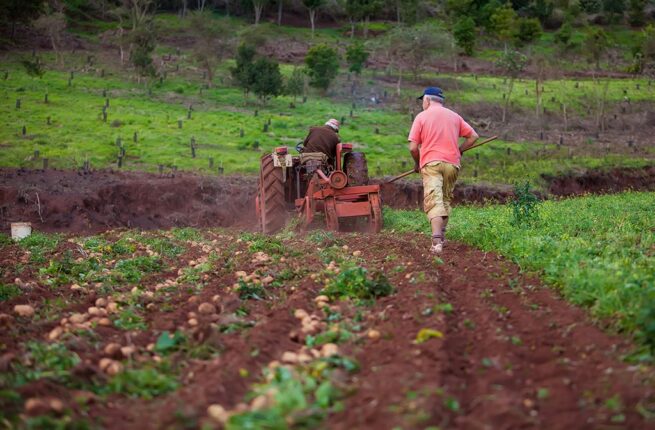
596,43
563,36
504,23
541,9
322,66
406,11
296,83
527,31
211,43
280,5
140,11
243,72
356,56
53,24
259,6
464,33
512,63
413,47
591,6
458,9
636,14
143,41
646,51
268,79
614,9
312,6
17,12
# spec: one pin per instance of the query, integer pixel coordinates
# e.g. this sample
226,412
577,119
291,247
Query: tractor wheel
272,212
331,218
356,168
375,219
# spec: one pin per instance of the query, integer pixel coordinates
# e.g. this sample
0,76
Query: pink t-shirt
437,131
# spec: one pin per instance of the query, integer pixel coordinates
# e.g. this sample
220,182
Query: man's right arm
470,141
465,130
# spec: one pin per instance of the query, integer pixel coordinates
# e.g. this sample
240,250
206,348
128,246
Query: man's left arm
415,142
416,155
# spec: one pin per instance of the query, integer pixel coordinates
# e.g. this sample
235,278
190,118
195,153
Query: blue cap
433,91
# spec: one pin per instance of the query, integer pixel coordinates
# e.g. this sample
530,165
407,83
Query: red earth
506,352
75,201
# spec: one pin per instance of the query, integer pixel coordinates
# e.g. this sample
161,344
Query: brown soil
77,202
72,201
611,181
512,354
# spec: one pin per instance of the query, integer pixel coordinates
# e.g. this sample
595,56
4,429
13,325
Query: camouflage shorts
439,180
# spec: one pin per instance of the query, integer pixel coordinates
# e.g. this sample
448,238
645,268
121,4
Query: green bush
8,291
525,206
357,283
143,383
322,66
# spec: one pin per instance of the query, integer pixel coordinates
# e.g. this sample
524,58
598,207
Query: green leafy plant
8,291
40,244
249,290
53,361
144,383
132,270
357,283
128,319
167,343
525,206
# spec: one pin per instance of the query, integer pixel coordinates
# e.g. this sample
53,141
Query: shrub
524,206
322,66
357,283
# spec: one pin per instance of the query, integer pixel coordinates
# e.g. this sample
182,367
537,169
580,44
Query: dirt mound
598,181
72,201
409,194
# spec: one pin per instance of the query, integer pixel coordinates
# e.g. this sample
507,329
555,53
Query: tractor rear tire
272,213
356,168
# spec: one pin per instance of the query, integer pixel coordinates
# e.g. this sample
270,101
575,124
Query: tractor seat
313,156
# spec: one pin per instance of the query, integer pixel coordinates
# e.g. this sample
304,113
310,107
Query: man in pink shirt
434,145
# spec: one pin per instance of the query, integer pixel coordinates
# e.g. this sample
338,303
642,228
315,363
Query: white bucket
20,230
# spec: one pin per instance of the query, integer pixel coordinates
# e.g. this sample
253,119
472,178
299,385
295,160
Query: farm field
136,135
194,328
156,128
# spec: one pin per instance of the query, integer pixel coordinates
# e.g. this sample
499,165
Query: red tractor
312,185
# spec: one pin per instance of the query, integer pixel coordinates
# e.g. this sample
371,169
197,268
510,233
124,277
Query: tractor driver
324,139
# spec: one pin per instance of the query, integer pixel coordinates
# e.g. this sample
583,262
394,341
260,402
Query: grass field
598,251
77,132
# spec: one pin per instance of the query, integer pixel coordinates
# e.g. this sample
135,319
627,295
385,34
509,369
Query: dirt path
513,355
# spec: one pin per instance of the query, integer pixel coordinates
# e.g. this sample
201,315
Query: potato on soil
101,302
55,333
218,413
301,314
24,310
40,406
77,318
112,349
290,357
207,308
5,320
329,349
373,334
